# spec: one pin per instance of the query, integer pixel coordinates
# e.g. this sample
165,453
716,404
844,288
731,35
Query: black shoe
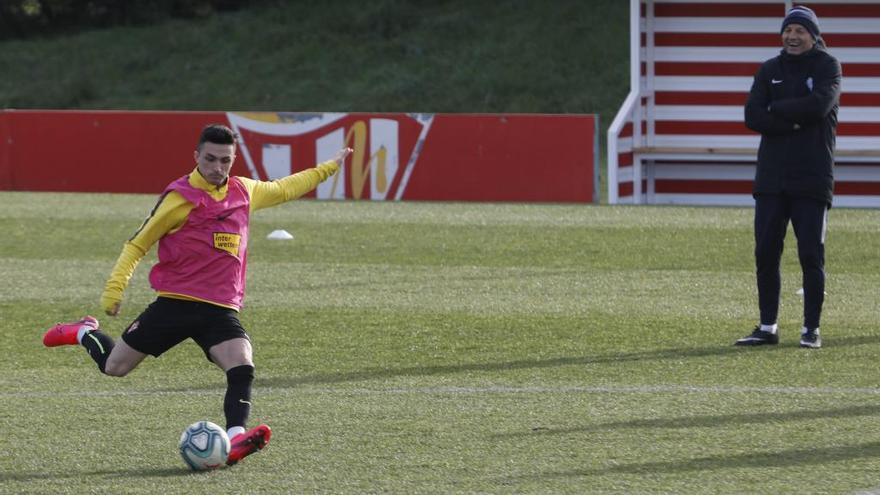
758,337
811,339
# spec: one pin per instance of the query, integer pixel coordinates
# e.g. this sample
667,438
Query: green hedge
28,18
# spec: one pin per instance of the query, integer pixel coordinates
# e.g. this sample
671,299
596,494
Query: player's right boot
65,333
245,444
811,339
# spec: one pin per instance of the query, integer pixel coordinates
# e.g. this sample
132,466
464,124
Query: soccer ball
204,445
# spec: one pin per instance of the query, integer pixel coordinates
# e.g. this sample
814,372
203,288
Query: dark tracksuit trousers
809,219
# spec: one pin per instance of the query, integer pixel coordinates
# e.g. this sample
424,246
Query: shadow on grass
779,459
656,355
123,473
710,421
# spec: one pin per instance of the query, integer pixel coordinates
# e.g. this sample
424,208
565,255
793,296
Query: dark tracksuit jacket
796,89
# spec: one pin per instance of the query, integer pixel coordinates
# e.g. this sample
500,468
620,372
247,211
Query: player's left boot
65,333
245,444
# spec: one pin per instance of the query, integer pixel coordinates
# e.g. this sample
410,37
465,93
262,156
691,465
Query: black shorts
167,322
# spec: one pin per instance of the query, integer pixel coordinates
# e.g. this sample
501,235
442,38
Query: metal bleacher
692,64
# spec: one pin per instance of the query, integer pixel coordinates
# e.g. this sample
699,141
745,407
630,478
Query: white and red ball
204,445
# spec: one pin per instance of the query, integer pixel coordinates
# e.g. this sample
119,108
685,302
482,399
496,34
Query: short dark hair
217,134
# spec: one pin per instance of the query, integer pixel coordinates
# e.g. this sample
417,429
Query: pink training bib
207,258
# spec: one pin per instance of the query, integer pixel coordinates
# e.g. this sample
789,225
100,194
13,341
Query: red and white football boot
65,333
245,444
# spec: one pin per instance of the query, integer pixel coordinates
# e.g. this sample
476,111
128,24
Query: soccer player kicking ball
201,225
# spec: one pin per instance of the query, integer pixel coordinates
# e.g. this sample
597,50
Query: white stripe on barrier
857,173
702,83
704,199
729,113
857,143
746,171
854,201
744,83
752,141
707,141
758,25
702,171
689,158
701,113
750,54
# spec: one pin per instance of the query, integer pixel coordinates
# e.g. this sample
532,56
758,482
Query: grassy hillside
391,55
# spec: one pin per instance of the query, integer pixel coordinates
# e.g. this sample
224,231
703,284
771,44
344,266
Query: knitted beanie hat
803,16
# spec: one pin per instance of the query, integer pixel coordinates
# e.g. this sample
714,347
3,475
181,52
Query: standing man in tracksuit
793,104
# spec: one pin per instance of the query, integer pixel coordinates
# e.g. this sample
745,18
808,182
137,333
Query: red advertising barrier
457,157
133,152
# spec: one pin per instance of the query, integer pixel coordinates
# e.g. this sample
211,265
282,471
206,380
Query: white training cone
281,235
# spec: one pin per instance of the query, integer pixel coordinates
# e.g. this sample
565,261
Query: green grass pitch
454,348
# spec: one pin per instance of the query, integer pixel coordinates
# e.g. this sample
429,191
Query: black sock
237,403
99,346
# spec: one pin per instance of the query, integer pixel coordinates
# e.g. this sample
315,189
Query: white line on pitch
604,389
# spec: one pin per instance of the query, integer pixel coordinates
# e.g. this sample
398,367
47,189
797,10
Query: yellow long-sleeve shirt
172,210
